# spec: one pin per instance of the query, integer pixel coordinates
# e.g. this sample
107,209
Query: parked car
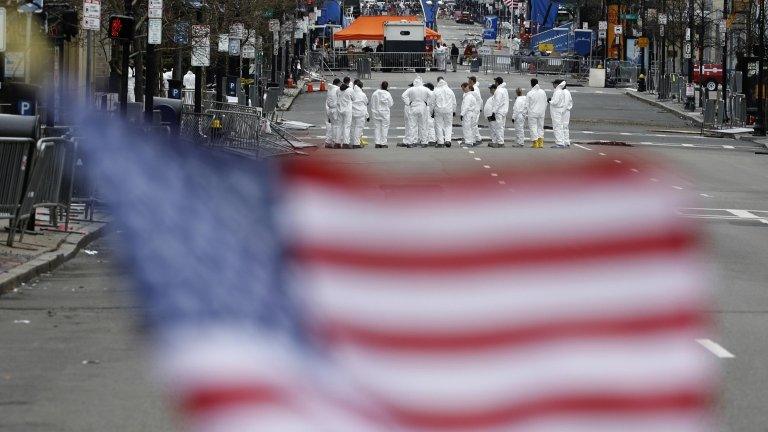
463,18
711,76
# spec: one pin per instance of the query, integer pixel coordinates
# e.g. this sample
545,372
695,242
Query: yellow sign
546,47
642,42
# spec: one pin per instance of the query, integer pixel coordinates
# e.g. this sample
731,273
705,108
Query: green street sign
629,17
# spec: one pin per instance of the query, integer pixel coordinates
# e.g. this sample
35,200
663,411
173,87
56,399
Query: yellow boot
535,143
541,142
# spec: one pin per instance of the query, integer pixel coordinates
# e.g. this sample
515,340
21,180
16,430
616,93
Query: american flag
318,297
511,3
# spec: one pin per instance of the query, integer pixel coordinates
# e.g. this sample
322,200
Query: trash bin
641,83
475,65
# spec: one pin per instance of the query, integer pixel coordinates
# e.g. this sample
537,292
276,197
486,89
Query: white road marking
743,214
654,179
634,170
602,154
646,142
494,175
705,195
502,182
617,161
587,132
582,147
477,159
687,145
625,133
471,152
487,166
729,147
715,348
677,187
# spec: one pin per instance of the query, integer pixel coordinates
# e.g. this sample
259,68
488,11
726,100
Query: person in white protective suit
441,55
344,106
359,113
381,102
331,113
479,98
431,137
560,110
519,111
488,113
417,98
445,109
500,110
188,80
537,109
470,110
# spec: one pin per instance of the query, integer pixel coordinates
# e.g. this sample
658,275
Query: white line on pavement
729,147
502,182
654,179
747,215
715,348
582,147
617,161
494,175
677,187
477,159
687,145
705,195
487,166
634,170
602,154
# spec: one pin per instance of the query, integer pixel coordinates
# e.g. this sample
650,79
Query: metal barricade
13,164
44,188
364,68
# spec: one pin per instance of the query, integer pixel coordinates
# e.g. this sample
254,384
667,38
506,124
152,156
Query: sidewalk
44,250
695,117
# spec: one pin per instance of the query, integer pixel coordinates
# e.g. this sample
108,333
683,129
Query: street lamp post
725,59
690,100
760,125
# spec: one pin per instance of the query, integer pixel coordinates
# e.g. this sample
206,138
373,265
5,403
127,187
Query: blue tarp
543,13
331,13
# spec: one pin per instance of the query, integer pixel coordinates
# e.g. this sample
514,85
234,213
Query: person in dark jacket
454,56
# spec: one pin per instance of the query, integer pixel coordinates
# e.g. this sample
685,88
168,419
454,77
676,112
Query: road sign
234,47
223,43
181,33
201,45
689,90
617,29
237,31
91,15
601,34
661,30
663,19
249,46
602,25
642,42
687,50
2,31
155,9
274,25
629,17
585,25
688,34
154,31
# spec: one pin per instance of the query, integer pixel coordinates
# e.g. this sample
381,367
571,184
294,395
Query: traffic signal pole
725,60
198,70
126,56
760,125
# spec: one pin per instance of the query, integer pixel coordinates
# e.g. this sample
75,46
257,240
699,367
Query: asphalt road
78,364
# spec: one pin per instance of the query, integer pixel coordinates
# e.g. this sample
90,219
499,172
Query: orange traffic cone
322,85
310,89
290,83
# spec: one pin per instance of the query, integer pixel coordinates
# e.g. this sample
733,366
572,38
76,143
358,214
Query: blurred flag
316,297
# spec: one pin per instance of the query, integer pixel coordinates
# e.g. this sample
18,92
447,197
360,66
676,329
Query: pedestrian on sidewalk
479,99
359,113
332,113
454,56
537,109
500,110
445,110
469,113
560,110
344,105
519,111
381,102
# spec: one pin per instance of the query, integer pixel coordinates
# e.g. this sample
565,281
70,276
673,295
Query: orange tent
372,28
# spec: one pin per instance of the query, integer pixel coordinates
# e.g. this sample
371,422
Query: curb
48,261
682,115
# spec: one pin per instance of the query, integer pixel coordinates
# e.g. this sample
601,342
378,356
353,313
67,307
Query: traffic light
69,23
120,28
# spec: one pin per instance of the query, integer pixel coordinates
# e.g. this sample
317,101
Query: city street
72,357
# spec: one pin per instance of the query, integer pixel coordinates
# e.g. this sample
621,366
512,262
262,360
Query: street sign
601,34
663,19
602,25
661,30
223,43
181,33
642,42
689,90
688,34
234,47
629,17
249,46
237,31
274,25
154,31
617,29
687,50
585,25
155,9
201,45
2,31
91,15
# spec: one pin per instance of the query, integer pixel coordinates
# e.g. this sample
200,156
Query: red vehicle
711,76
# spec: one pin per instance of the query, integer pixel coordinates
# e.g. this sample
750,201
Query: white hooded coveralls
445,106
470,110
381,102
560,110
344,124
519,110
500,109
479,99
359,114
416,99
431,137
537,108
331,113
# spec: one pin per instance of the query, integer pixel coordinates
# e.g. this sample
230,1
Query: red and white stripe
569,305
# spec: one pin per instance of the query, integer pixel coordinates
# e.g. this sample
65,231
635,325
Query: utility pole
154,35
198,70
725,59
761,124
690,100
662,91
126,56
